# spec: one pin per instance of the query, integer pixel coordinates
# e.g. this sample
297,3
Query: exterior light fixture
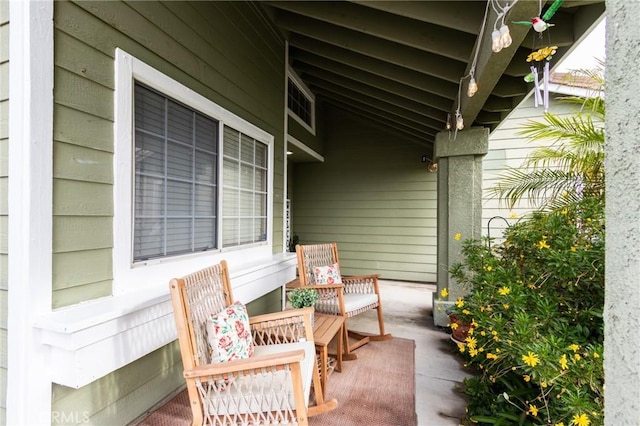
496,41
472,88
505,36
459,121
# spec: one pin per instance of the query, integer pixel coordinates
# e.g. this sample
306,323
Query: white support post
30,208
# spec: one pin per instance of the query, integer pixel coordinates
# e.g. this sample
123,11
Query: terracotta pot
460,332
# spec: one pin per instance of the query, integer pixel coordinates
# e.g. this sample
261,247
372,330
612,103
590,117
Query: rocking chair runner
347,296
270,387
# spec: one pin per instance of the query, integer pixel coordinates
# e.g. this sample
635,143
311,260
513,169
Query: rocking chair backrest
313,255
201,294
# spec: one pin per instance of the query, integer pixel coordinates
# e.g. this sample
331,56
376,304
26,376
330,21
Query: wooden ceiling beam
380,120
316,75
406,115
462,15
304,47
427,99
443,41
404,56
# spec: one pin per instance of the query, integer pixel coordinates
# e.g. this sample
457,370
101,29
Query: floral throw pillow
329,274
228,334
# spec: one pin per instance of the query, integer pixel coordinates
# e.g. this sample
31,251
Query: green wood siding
509,149
119,397
299,132
223,50
374,198
4,182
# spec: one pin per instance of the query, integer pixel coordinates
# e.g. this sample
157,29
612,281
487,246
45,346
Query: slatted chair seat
352,296
270,387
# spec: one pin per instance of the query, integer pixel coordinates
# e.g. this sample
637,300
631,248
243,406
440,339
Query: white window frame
127,275
293,76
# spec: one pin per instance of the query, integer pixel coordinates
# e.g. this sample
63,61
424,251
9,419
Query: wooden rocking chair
318,268
270,387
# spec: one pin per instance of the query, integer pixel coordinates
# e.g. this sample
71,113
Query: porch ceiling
399,63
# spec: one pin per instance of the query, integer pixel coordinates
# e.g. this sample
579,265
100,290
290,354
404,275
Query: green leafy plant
536,300
536,304
303,297
574,165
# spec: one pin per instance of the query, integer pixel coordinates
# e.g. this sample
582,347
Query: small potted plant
303,297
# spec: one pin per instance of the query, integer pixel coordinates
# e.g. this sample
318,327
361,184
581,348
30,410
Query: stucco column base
440,317
459,207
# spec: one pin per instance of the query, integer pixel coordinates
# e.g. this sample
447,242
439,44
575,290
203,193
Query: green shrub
536,304
303,297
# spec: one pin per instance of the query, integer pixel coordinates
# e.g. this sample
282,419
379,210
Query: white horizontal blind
176,155
244,217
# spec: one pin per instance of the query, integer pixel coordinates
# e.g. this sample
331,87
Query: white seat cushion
355,301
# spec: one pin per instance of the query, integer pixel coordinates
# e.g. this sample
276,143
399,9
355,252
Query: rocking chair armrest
256,362
281,315
347,278
323,286
354,283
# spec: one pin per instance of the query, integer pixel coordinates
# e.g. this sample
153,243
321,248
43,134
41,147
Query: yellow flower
564,211
596,355
559,424
444,292
457,236
459,302
461,347
533,410
471,341
574,347
466,311
504,290
489,268
492,356
473,352
574,248
543,245
483,333
531,359
474,323
543,384
580,420
563,362
513,215
505,305
454,326
527,377
577,357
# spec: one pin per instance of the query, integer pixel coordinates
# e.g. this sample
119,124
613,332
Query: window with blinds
176,178
300,101
244,200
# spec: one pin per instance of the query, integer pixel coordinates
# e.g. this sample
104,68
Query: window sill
92,339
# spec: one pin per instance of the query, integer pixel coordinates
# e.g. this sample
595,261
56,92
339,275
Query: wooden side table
325,328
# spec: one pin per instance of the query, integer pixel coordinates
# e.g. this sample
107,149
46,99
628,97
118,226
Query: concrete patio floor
407,311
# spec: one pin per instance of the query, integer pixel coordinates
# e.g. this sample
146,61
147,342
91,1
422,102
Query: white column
622,257
30,208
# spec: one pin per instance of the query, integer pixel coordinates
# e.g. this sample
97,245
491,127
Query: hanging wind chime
540,58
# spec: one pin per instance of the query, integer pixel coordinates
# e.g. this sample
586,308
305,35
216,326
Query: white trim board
92,339
30,199
130,277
